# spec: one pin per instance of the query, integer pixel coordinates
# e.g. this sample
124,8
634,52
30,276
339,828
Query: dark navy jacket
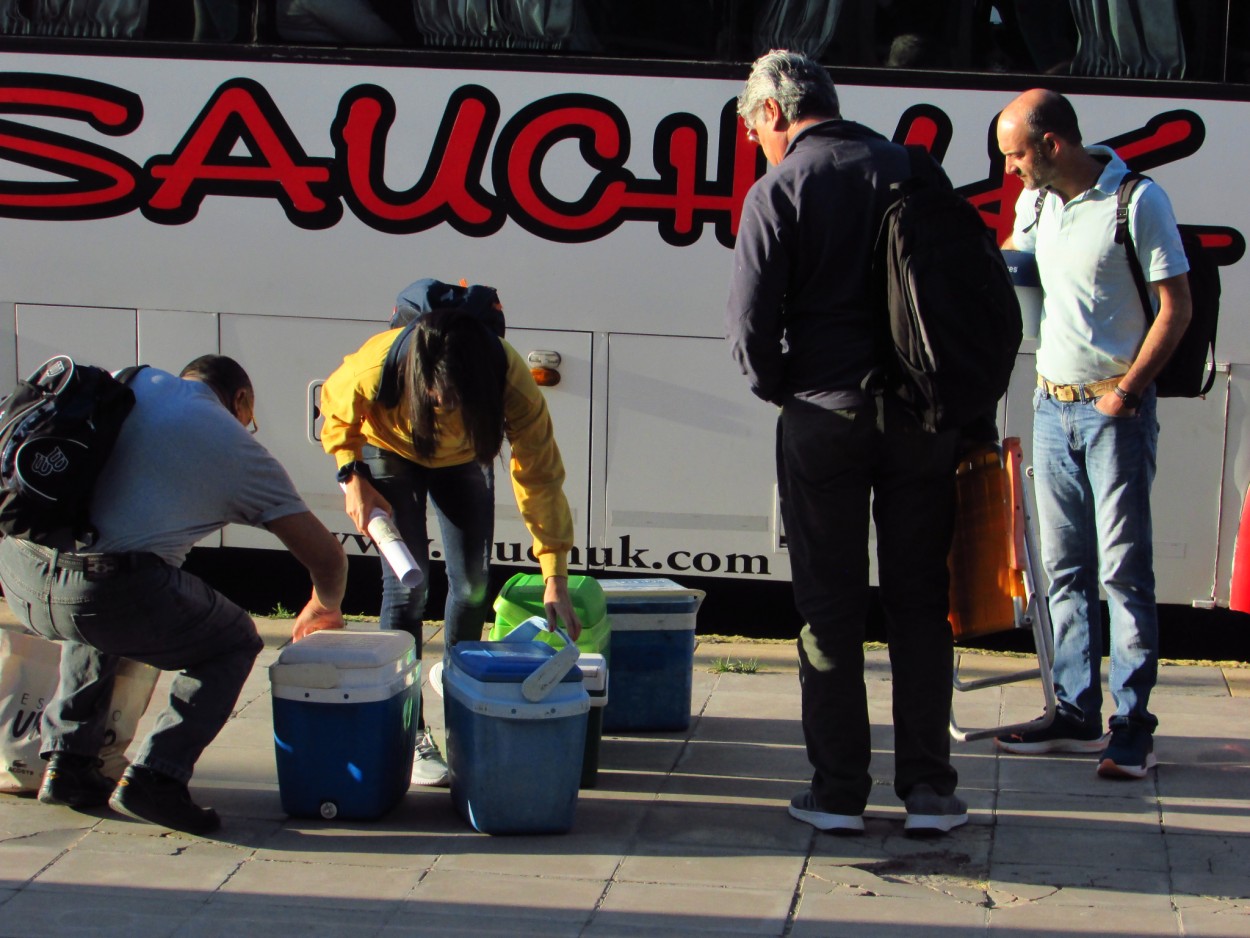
798,318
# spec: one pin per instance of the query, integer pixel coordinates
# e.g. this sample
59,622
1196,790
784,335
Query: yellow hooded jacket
353,419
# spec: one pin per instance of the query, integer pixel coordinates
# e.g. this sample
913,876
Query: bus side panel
690,467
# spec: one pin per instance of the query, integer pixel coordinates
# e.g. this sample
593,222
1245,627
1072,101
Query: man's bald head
1041,111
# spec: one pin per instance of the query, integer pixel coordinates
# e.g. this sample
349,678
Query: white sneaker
436,678
428,768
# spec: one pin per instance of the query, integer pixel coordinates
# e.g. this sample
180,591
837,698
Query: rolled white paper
393,548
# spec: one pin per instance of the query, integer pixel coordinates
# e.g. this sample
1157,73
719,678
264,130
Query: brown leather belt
1073,393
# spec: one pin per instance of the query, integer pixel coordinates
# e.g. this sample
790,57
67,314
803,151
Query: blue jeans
464,500
159,615
831,466
1093,477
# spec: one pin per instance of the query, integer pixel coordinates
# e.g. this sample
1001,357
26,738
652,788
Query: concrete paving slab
326,885
1198,780
1208,815
700,866
1041,809
22,859
81,911
1047,920
836,914
1215,923
1238,681
1119,849
115,863
1015,885
526,895
693,909
234,919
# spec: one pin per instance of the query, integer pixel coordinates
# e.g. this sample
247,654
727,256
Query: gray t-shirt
184,467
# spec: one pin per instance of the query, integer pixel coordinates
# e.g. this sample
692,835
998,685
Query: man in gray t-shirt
184,466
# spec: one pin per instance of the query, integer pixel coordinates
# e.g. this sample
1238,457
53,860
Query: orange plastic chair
996,576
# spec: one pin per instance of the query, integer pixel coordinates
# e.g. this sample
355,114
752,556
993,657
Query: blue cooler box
345,713
515,764
652,653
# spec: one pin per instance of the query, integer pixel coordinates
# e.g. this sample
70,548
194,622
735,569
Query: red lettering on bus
449,191
241,112
103,183
602,134
682,197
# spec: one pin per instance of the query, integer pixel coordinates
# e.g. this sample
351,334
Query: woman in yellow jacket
462,389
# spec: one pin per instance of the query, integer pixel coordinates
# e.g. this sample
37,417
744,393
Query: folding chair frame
1030,611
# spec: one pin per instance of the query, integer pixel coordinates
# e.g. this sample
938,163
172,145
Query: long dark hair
451,363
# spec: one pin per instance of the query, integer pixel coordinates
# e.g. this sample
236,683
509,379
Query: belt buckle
99,567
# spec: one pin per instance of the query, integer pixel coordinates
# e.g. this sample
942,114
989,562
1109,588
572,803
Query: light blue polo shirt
1092,318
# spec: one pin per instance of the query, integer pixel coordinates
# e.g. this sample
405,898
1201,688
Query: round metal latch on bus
329,810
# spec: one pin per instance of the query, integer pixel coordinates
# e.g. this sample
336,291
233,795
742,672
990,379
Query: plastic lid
525,590
504,662
343,648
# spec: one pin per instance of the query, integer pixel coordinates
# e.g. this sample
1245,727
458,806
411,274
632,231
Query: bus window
98,19
1128,38
218,20
334,22
802,25
496,24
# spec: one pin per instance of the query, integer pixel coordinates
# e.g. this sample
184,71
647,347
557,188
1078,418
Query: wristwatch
1128,398
349,469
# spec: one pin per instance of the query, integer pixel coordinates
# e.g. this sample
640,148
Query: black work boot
148,795
74,781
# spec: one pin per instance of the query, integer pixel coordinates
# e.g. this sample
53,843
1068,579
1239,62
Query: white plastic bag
29,671
29,667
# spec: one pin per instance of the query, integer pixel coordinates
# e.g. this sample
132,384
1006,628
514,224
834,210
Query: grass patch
735,665
279,611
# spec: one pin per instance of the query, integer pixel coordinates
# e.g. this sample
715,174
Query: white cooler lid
341,658
348,649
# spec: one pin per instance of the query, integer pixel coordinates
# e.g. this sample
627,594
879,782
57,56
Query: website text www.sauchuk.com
621,556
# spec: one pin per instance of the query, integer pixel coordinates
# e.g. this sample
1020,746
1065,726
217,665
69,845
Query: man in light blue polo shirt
1095,433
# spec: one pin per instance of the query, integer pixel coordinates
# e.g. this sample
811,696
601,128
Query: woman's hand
559,607
362,499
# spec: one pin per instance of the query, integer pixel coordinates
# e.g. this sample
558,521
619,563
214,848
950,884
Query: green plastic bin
522,597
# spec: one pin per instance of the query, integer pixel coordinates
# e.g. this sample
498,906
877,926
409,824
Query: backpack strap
924,167
388,387
1037,210
393,365
125,375
1123,194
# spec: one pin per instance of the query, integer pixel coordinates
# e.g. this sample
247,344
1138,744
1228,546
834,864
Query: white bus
175,181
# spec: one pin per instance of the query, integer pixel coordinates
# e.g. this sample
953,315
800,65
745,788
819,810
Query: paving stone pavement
685,833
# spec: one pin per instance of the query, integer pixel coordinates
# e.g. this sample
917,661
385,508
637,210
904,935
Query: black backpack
57,430
477,301
1190,372
953,319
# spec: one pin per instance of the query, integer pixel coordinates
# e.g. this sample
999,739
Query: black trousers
831,467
